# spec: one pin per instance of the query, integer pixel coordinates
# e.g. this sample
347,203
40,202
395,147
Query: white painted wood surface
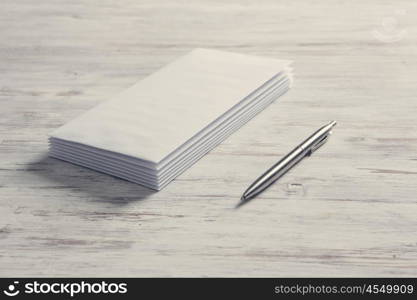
349,210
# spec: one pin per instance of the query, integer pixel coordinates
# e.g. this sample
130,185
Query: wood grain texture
349,210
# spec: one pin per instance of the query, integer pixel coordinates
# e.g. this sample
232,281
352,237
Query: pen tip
241,202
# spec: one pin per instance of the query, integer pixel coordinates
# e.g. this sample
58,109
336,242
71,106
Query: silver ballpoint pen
306,148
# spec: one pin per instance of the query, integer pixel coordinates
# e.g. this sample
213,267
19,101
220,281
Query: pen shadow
93,185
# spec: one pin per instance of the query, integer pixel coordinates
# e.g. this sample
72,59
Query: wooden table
349,210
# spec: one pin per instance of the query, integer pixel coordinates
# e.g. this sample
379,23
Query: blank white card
158,127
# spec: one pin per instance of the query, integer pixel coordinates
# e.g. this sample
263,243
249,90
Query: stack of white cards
159,127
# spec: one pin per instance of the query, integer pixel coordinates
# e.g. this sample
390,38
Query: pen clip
318,144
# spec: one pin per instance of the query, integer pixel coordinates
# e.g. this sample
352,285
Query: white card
157,115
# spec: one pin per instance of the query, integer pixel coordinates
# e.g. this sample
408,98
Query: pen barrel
283,165
275,172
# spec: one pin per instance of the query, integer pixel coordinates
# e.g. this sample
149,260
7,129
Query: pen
306,148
